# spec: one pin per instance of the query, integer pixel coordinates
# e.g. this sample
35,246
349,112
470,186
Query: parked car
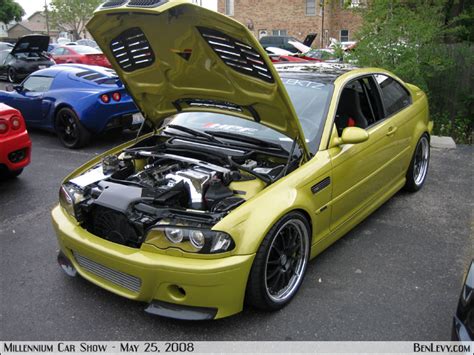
27,56
250,177
5,45
463,322
15,143
73,100
79,54
283,42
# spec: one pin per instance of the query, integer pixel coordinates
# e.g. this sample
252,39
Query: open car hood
174,56
31,43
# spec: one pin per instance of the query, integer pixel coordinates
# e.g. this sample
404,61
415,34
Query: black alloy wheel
69,129
280,264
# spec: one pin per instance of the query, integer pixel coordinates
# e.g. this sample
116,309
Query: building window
310,7
229,7
280,32
344,37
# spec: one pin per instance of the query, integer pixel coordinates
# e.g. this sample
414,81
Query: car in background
283,42
15,143
463,322
5,45
75,101
278,55
27,56
79,54
88,42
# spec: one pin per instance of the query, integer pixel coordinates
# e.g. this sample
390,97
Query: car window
394,96
37,83
57,51
359,105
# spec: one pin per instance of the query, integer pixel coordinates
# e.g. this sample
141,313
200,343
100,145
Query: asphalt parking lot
397,276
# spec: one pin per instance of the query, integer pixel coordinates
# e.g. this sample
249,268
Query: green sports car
251,171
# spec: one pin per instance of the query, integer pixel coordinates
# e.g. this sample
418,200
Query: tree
73,14
10,10
427,43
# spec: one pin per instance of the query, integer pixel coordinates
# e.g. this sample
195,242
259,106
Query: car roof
326,72
73,69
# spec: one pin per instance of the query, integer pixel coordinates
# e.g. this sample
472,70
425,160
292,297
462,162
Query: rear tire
280,264
70,130
418,169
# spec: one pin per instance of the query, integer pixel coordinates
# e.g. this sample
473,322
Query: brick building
297,18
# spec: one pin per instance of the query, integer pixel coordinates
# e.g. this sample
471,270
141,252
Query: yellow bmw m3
251,171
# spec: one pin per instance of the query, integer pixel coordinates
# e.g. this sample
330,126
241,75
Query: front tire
70,130
418,169
11,75
280,264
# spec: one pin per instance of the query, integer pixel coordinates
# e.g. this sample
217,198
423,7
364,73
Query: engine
125,195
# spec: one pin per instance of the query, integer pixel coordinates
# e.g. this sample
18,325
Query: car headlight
69,196
190,239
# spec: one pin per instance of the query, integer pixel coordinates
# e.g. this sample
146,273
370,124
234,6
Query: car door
30,99
361,172
400,116
3,57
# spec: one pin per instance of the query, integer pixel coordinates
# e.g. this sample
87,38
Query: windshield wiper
246,139
195,133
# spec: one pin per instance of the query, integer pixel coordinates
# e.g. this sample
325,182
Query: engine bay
170,178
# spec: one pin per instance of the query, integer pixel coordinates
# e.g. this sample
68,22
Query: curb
442,142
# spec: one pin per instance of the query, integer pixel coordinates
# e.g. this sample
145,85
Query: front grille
239,56
119,278
132,50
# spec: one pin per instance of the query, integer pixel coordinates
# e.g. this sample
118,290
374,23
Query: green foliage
73,14
10,11
408,37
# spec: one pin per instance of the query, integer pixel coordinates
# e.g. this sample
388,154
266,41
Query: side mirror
18,88
353,135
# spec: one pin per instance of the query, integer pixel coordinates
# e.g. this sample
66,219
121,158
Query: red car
15,143
79,54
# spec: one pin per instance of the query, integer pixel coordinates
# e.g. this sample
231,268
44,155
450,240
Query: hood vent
114,3
237,55
132,50
146,3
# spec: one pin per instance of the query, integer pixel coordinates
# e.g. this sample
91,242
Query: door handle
391,131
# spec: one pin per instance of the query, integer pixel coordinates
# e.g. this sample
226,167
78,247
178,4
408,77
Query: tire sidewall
82,136
257,274
411,185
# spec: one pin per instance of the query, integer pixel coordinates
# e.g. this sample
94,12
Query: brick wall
290,15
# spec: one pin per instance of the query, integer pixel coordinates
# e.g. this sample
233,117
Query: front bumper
211,284
15,151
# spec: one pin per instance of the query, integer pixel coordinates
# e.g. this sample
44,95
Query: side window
37,83
359,105
394,96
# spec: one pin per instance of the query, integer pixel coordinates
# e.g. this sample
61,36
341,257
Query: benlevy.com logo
441,348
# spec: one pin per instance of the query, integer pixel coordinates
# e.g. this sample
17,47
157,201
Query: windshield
310,99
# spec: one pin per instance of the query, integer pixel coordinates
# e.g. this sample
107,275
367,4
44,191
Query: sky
31,6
